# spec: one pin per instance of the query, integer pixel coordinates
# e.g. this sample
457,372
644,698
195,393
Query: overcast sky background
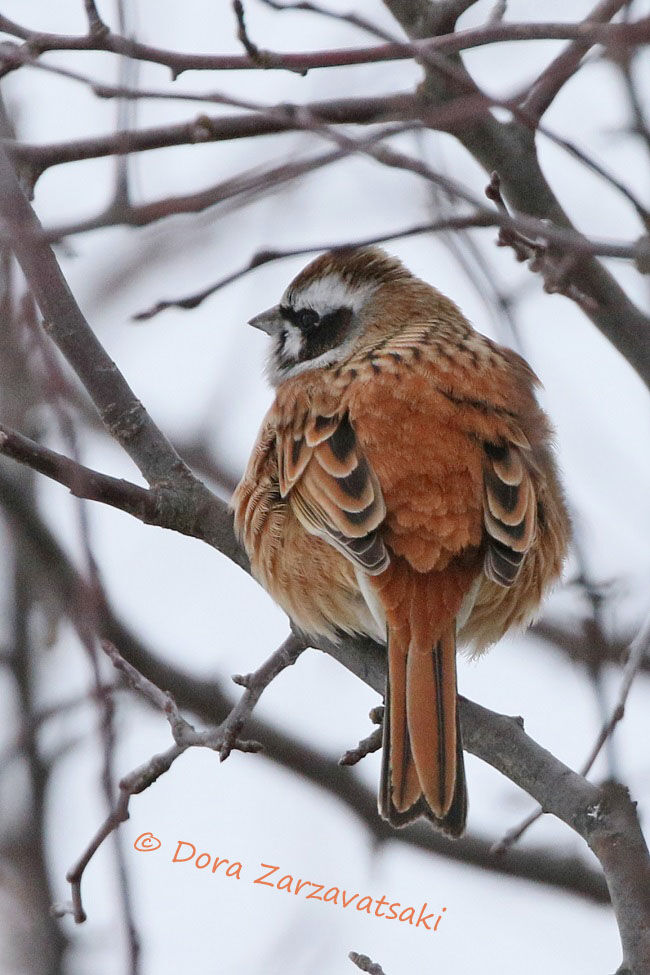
203,370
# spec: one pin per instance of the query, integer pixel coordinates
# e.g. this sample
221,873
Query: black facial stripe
302,318
325,334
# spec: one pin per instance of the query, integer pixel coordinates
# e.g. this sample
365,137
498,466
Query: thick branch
121,411
607,821
605,818
193,508
207,700
81,481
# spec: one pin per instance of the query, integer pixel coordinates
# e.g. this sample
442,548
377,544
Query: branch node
642,258
243,680
260,58
555,270
96,26
376,714
365,747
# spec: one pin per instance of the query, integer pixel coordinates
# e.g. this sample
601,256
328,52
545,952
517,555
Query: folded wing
509,510
332,488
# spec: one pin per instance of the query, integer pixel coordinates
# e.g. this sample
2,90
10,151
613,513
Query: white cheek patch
292,341
328,293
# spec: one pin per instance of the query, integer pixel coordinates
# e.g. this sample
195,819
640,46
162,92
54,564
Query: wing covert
510,509
332,488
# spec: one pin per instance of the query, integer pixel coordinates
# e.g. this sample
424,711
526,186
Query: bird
403,486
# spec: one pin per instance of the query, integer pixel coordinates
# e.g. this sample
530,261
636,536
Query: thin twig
223,739
638,649
267,256
620,35
637,653
555,269
207,699
551,81
350,18
260,58
255,684
121,211
366,964
367,745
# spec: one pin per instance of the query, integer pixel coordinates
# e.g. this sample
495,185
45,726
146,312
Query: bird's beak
268,321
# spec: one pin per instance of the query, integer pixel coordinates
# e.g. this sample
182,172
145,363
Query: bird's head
329,307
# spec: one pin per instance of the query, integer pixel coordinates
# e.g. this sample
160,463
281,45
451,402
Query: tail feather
406,782
423,771
431,719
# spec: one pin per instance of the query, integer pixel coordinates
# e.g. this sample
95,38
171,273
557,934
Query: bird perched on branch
402,486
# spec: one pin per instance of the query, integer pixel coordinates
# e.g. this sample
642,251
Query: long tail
423,772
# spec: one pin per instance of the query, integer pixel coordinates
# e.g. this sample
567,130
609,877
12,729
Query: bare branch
351,18
512,228
267,256
207,700
620,35
365,747
120,211
96,26
223,738
556,270
509,148
266,120
255,684
248,185
600,170
606,818
130,785
498,11
188,501
119,408
81,481
551,81
638,650
261,59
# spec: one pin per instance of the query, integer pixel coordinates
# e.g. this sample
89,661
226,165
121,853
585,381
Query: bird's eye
306,318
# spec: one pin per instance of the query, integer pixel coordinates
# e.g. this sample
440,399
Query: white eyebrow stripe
328,293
